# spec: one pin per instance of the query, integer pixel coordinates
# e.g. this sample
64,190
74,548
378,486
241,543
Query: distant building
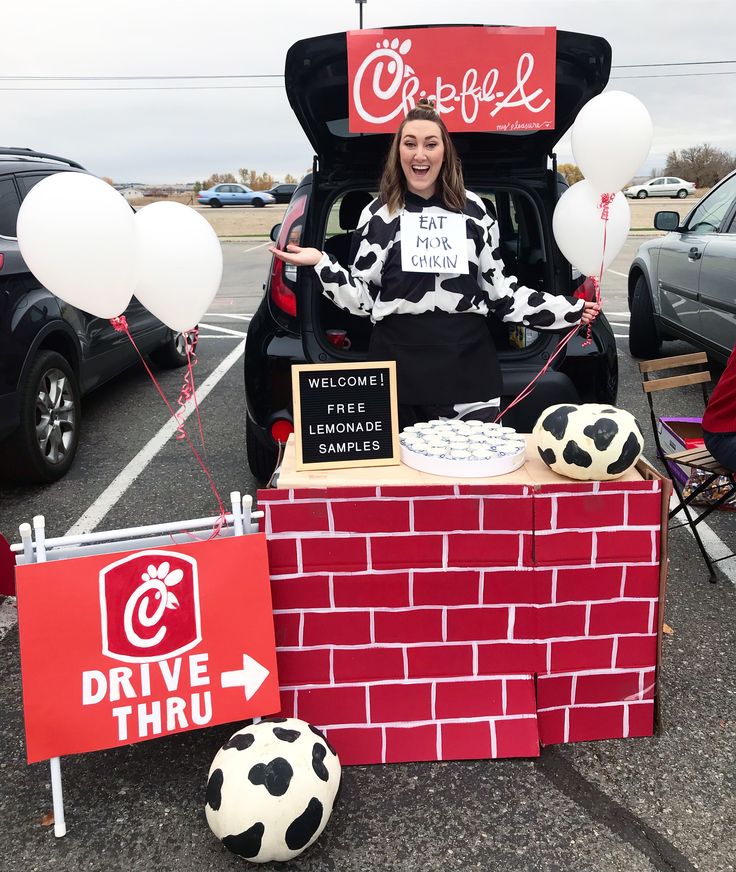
130,192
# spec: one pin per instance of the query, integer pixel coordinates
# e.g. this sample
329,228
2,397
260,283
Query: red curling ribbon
120,325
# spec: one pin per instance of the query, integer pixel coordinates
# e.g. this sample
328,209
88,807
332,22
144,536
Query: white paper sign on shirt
434,242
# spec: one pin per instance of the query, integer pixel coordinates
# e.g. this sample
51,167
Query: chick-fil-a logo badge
481,78
149,604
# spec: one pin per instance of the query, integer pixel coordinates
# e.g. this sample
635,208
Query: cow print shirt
376,286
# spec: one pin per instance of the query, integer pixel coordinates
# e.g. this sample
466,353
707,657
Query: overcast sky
185,135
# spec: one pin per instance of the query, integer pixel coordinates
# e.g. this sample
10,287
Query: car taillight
281,430
2,260
281,293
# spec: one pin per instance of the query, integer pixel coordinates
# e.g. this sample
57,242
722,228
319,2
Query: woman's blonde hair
450,185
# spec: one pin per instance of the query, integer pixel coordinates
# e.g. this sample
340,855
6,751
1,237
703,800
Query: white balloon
180,263
578,227
611,138
77,236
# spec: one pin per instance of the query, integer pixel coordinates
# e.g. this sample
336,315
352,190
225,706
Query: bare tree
702,164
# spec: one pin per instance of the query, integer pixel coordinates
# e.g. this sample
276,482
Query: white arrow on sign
250,677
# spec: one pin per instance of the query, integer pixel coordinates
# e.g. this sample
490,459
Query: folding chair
694,458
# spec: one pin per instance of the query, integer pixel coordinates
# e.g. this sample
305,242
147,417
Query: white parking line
229,315
616,273
219,329
714,545
255,247
112,493
212,336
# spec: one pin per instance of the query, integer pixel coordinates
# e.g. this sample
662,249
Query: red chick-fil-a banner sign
121,648
481,78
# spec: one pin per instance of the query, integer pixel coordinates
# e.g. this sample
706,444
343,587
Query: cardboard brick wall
466,621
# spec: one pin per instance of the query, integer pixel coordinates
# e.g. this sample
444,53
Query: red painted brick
350,493
371,516
440,661
272,495
357,746
332,705
626,616
309,493
520,697
542,507
641,719
636,651
652,486
507,658
645,510
589,511
470,741
483,549
288,703
334,554
507,490
446,588
336,628
441,515
578,487
563,620
399,552
607,687
303,667
654,621
625,546
642,581
286,628
553,549
438,490
410,744
581,654
554,691
299,517
281,556
526,623
520,586
371,590
508,514
483,623
551,726
368,664
400,703
589,583
302,592
598,722
517,737
412,625
468,699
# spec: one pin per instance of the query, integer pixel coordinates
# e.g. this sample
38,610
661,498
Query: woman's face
421,152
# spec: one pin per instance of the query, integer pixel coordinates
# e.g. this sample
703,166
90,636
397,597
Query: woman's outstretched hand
590,312
298,256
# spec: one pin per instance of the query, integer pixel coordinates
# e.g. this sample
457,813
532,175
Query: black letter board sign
345,415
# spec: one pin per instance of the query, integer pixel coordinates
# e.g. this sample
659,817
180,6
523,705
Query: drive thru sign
117,649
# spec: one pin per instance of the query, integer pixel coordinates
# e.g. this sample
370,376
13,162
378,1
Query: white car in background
662,186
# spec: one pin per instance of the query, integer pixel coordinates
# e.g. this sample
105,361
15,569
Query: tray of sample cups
464,449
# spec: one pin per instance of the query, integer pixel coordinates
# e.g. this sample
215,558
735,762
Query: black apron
442,358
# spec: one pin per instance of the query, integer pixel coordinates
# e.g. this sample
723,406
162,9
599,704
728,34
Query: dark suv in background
517,176
51,354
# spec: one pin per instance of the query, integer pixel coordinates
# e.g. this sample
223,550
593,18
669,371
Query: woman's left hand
590,312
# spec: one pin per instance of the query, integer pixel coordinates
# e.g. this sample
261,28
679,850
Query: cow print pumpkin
592,442
271,789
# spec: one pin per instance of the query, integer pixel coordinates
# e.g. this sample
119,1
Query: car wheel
173,352
681,194
262,462
215,204
43,447
641,195
644,340
258,203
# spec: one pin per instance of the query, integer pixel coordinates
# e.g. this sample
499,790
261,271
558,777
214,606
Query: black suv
51,354
515,174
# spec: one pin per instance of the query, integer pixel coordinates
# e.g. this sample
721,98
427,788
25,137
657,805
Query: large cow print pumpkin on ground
271,789
591,442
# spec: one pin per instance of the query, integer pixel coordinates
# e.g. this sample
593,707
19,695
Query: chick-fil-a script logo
149,604
490,79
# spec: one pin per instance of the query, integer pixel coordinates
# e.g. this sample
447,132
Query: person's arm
354,289
512,301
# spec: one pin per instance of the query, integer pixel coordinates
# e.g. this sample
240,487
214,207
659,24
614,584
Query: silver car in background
683,285
663,186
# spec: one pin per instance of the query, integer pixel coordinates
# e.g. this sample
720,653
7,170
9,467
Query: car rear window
9,206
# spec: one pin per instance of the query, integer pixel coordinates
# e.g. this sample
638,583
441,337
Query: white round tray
461,468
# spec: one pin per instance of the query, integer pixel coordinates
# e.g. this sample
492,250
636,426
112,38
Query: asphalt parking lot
664,803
